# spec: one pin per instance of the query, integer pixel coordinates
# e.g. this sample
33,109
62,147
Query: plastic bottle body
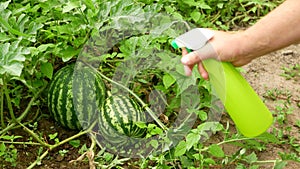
244,106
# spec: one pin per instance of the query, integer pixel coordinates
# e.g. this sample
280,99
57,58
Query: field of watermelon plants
111,49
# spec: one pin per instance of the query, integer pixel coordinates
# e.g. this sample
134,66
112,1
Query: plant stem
9,105
38,159
69,139
1,108
23,115
267,161
24,143
28,122
75,136
227,141
35,136
234,140
51,147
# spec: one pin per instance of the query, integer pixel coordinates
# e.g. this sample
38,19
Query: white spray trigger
194,39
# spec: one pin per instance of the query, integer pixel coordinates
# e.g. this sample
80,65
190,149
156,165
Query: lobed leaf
13,56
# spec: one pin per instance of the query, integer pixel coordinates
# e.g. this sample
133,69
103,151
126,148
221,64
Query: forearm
278,29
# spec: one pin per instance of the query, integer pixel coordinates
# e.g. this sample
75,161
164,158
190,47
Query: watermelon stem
38,159
9,105
51,147
24,114
29,121
1,107
144,105
35,136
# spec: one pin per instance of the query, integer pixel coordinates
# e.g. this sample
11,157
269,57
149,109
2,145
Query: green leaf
202,115
254,167
47,69
216,151
154,143
209,161
108,156
7,137
83,149
4,37
183,81
2,147
12,58
53,136
267,137
220,5
7,26
180,148
153,129
240,166
203,5
169,9
210,126
75,143
191,2
196,15
34,27
191,140
71,5
89,4
298,123
280,165
69,53
251,158
4,5
168,80
185,161
198,156
141,124
143,81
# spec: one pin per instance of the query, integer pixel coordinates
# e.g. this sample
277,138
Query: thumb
203,53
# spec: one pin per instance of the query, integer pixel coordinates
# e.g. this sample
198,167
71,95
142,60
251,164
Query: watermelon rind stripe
77,96
55,102
63,100
52,102
85,95
119,113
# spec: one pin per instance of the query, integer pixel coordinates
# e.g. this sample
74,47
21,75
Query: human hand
224,46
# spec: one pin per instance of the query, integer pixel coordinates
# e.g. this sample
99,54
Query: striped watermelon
118,118
74,97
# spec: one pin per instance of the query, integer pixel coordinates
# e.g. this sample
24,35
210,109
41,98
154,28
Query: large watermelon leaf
12,58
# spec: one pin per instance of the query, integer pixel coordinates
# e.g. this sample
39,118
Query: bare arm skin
278,29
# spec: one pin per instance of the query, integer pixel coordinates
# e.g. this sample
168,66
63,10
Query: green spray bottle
244,106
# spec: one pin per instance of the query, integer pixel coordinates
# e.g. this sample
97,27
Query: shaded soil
28,153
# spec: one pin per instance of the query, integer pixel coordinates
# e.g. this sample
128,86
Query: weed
292,72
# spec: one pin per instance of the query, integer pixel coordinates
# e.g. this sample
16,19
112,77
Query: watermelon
74,97
119,117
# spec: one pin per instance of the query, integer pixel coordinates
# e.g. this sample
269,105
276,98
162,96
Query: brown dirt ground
265,74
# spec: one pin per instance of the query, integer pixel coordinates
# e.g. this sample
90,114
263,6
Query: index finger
196,56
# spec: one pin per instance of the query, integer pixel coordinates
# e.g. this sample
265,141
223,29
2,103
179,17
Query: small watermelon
119,117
